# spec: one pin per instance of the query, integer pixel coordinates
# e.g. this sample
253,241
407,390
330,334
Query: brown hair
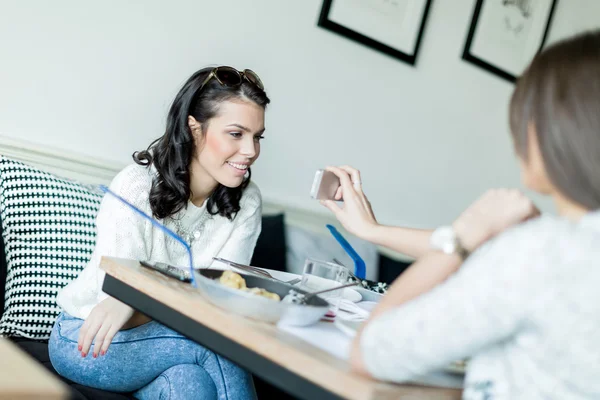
559,93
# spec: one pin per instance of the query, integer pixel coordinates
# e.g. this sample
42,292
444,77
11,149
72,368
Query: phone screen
325,185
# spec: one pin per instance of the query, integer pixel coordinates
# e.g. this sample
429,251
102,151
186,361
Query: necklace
191,234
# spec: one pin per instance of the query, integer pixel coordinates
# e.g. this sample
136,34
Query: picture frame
392,27
505,35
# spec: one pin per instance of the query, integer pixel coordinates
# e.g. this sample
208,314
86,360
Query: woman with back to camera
526,310
195,179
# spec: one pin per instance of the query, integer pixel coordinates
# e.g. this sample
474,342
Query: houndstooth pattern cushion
49,234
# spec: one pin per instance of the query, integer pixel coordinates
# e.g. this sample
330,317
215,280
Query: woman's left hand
495,211
356,215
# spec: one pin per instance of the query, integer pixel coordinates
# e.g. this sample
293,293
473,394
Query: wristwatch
447,241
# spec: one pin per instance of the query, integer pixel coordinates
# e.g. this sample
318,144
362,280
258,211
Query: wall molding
60,162
91,169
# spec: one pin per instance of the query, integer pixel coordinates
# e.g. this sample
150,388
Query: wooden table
21,377
280,358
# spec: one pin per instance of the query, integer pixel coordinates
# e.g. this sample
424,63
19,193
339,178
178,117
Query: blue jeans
150,360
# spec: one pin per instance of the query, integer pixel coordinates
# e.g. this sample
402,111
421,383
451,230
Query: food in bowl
236,281
232,280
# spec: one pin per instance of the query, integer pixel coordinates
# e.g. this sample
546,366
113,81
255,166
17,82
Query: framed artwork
505,35
393,27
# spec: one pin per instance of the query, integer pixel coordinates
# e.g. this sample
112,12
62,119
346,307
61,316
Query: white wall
97,77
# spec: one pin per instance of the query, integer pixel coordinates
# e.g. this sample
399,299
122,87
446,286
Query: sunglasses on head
228,76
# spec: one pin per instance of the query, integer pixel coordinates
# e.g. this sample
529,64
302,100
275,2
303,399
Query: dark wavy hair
172,153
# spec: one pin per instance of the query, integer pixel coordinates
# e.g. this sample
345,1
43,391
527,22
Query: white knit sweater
525,309
125,234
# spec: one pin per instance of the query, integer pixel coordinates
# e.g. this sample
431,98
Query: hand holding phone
325,185
356,215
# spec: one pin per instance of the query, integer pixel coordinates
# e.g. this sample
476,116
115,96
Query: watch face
444,239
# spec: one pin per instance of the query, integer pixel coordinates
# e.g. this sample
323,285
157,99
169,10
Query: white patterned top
125,234
525,309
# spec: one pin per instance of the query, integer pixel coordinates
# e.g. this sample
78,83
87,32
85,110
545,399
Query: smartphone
325,185
169,270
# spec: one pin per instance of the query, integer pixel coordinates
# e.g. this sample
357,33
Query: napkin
351,311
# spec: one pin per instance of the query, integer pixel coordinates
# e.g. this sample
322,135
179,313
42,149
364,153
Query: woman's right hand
105,320
356,215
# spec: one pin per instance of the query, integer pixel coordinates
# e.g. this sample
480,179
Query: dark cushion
270,250
390,269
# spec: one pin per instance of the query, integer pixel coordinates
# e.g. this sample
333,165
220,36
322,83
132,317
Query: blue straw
360,269
158,225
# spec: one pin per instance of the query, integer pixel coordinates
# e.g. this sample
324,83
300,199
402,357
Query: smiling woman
226,150
196,180
190,157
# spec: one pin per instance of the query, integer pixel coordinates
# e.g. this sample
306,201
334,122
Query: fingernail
95,355
83,354
79,348
102,352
